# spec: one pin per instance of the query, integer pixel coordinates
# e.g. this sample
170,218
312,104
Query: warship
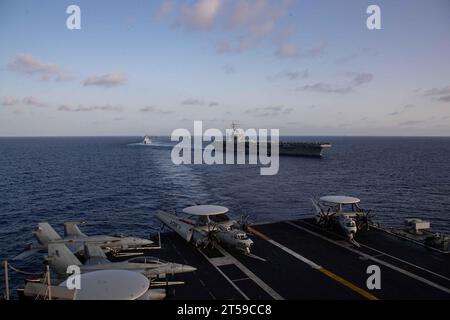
303,149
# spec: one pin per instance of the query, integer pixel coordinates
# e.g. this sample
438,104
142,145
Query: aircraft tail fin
45,234
60,257
94,254
71,229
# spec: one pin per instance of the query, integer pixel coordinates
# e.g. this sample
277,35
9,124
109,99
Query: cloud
252,21
404,109
9,101
81,108
106,80
153,109
33,101
359,78
270,111
30,65
437,91
411,123
29,101
290,75
285,49
243,23
193,102
439,94
444,98
356,79
199,15
165,9
355,55
199,102
229,69
288,50
325,88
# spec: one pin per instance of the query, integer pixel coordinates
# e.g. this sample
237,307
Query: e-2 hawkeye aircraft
75,240
206,225
343,213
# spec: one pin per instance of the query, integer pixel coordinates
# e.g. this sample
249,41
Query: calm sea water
117,186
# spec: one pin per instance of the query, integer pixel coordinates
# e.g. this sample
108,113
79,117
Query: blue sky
149,67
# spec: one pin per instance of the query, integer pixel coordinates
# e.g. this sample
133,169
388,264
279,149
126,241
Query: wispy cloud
287,50
165,9
411,123
106,80
229,68
356,79
439,94
444,98
9,101
437,91
153,109
199,102
253,21
355,55
82,108
270,111
33,101
325,88
32,66
290,75
199,15
28,101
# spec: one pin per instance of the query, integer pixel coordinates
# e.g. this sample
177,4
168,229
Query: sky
149,67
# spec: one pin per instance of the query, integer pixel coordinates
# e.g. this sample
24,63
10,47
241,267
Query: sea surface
117,185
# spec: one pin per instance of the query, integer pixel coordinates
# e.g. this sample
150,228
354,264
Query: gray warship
300,149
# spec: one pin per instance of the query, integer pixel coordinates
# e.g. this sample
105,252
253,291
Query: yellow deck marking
348,284
315,266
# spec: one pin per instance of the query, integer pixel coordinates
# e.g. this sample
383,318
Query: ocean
117,185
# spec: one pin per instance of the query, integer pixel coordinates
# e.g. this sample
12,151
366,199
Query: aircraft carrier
304,149
298,260
300,149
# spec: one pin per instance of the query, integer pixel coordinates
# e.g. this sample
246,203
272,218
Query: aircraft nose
188,268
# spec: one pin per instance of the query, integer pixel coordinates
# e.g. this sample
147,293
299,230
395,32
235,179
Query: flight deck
298,260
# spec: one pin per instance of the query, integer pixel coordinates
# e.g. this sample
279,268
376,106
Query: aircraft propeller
244,223
211,239
365,219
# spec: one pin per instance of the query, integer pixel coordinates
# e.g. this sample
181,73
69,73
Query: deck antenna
5,265
49,288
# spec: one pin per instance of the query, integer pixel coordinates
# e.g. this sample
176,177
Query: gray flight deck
301,261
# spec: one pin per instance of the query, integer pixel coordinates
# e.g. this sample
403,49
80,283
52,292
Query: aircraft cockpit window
137,260
154,260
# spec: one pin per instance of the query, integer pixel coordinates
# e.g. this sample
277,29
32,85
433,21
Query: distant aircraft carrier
306,149
299,260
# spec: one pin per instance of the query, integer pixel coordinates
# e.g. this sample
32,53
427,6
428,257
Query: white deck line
225,276
271,292
386,264
295,254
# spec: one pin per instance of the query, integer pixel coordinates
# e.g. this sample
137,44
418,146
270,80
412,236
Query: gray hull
299,149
